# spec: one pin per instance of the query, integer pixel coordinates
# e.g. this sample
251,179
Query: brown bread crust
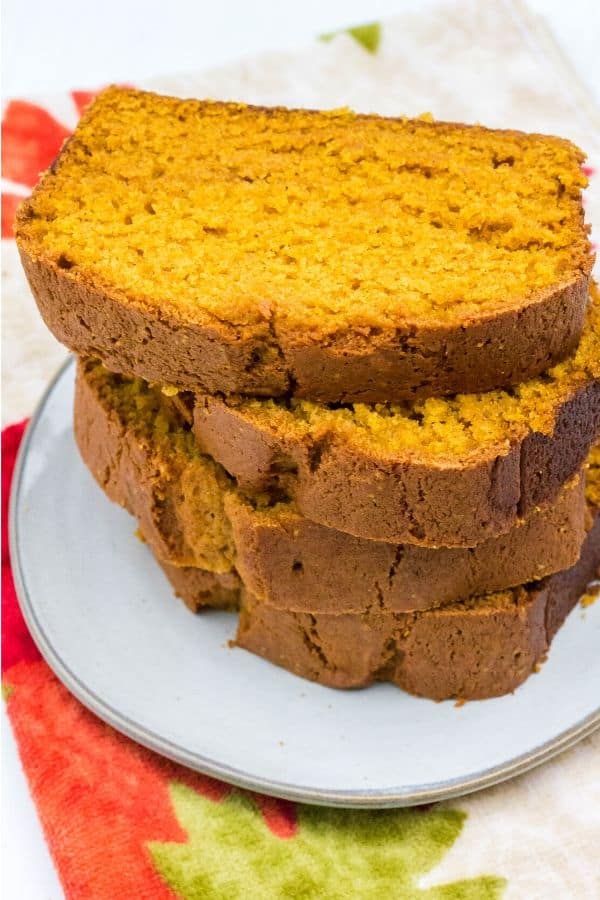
410,362
200,589
482,648
401,500
295,564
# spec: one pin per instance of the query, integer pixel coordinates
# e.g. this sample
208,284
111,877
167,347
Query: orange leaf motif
9,208
83,99
31,139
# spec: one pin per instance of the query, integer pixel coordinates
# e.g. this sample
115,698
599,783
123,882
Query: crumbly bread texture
328,255
447,472
136,442
479,648
139,448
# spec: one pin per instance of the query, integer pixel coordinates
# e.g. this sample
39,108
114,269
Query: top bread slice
338,257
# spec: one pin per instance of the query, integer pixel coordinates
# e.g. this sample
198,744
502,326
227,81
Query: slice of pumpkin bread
136,442
471,650
444,471
327,255
475,649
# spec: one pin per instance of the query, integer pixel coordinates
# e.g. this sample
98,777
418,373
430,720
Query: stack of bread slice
345,372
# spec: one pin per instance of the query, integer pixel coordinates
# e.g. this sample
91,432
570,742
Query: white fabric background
459,59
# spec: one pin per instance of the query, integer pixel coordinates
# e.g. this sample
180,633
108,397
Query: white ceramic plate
104,618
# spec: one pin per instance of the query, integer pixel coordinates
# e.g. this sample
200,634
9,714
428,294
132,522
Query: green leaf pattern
336,854
367,35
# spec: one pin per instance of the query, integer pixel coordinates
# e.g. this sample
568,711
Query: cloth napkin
122,822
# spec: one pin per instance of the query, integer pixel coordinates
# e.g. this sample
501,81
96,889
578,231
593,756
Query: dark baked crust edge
470,652
407,362
402,500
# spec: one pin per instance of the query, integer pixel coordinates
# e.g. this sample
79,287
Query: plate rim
373,798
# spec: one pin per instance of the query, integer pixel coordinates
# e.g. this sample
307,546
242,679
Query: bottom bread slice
478,648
